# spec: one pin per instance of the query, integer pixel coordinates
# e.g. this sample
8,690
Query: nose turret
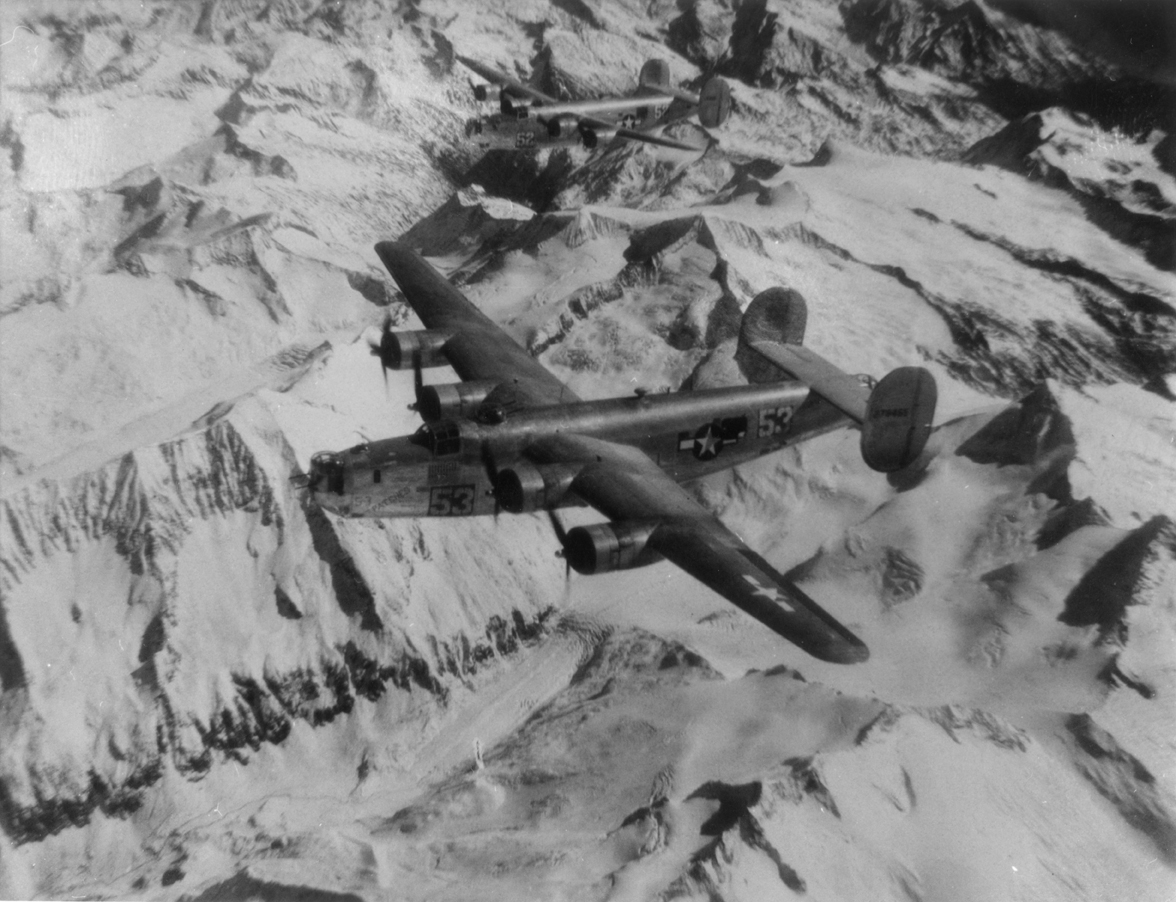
326,473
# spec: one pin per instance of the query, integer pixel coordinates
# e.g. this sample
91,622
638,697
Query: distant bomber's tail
654,77
895,415
714,103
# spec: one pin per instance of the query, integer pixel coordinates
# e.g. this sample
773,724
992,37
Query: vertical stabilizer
654,77
776,315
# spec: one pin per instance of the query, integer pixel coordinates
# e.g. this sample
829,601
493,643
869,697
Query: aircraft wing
843,391
626,485
513,86
603,130
632,135
478,348
603,105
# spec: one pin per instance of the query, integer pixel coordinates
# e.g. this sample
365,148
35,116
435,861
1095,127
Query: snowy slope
212,690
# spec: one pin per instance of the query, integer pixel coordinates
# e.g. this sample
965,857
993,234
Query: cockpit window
440,438
448,438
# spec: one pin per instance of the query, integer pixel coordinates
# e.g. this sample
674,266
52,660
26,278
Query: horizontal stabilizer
898,419
845,392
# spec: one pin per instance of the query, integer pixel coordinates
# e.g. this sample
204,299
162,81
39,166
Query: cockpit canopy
441,438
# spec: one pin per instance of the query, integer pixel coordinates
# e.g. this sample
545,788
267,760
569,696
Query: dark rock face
1125,782
1119,579
1135,214
1022,434
1017,68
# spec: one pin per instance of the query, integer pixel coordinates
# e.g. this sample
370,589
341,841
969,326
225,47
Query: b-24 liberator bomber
528,118
511,437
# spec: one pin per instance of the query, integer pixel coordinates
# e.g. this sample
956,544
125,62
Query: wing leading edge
477,348
625,485
505,81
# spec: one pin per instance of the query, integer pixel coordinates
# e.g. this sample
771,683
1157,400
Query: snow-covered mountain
212,690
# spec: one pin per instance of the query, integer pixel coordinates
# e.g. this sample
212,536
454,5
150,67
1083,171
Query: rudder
898,419
714,103
776,314
655,75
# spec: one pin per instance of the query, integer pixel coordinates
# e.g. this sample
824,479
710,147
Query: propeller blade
492,472
562,535
560,532
418,379
383,350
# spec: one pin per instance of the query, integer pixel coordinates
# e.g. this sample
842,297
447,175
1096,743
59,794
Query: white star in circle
706,444
770,593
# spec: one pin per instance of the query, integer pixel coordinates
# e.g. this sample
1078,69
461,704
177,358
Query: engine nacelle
604,547
593,137
563,127
519,107
527,487
455,400
400,350
898,419
488,93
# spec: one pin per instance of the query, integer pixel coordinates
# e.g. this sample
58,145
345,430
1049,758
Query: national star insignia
771,593
706,445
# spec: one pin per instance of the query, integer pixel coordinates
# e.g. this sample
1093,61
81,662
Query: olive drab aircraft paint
510,437
528,119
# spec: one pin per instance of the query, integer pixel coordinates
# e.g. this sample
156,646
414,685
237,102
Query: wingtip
842,652
394,254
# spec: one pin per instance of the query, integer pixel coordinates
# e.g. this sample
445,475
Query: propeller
562,535
418,380
388,350
383,350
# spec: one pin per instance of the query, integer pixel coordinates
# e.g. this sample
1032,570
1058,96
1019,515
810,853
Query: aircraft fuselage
445,469
525,127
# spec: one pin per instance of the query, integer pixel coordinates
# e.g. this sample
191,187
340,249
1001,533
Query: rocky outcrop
1120,778
182,310
140,520
1137,567
1017,67
1128,204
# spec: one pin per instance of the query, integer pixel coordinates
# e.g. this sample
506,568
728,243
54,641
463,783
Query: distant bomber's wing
477,348
626,485
594,131
512,85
